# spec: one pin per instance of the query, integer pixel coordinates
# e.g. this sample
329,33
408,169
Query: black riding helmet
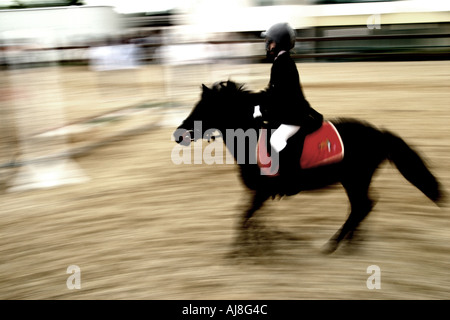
282,34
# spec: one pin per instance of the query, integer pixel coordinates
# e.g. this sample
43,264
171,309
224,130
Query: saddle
321,147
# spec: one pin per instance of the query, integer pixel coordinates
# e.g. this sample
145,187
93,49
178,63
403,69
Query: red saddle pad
321,147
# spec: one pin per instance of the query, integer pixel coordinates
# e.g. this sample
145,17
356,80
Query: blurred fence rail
379,51
417,46
381,47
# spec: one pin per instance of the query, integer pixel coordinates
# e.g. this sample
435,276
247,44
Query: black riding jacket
283,101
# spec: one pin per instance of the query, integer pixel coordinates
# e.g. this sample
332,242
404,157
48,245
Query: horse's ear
205,88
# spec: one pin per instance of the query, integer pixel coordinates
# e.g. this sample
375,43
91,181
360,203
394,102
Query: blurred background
175,31
91,91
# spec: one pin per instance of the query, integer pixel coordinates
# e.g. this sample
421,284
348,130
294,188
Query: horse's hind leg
361,205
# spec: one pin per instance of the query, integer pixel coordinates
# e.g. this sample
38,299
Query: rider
283,101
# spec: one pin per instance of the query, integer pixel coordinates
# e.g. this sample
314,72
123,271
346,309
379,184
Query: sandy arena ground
145,228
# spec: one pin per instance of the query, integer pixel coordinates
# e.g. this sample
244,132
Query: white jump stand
39,107
48,175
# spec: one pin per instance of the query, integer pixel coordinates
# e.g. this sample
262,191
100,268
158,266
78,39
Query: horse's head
218,108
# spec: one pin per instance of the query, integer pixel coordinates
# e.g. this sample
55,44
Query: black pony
226,106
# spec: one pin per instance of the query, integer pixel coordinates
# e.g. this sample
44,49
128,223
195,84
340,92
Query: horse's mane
228,87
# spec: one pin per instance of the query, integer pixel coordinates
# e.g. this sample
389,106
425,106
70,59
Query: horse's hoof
329,247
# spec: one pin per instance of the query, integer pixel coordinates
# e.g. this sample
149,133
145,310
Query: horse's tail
413,168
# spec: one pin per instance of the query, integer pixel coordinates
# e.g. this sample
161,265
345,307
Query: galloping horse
227,106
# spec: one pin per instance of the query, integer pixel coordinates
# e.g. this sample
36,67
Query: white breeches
279,138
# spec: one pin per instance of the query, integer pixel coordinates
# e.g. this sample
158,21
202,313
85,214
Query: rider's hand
257,113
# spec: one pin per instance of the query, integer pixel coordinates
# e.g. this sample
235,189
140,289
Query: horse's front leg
257,202
248,231
246,227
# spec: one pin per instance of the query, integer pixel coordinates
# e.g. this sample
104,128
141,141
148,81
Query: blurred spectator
114,55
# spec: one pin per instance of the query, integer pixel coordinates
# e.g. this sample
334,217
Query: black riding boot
289,166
